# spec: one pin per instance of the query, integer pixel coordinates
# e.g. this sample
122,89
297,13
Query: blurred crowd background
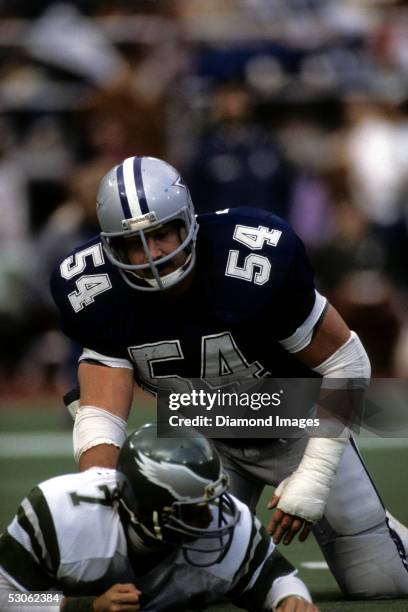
296,106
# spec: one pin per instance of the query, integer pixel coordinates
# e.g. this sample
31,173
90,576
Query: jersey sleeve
261,566
29,555
298,305
87,304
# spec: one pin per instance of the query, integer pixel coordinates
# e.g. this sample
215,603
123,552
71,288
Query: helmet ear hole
118,247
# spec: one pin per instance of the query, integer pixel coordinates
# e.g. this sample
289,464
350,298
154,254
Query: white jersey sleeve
248,575
53,542
260,569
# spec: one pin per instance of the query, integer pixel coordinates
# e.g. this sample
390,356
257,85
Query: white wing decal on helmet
179,480
179,182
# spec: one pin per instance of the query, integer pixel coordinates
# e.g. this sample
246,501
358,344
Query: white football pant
361,544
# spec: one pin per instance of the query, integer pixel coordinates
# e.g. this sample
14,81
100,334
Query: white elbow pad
349,361
94,426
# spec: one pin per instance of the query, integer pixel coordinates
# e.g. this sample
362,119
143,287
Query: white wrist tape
305,492
94,426
283,587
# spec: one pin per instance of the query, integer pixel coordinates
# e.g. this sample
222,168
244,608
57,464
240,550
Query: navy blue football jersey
253,287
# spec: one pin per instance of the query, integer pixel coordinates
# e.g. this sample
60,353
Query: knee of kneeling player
369,567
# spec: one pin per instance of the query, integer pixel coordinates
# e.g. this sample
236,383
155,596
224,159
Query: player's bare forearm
107,388
100,422
330,334
103,455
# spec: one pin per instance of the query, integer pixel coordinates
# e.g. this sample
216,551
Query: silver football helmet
137,196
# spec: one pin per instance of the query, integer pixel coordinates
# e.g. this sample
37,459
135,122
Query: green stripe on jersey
45,520
253,559
22,566
25,524
254,529
274,567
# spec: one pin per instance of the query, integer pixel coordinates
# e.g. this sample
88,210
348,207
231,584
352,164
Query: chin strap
168,279
138,533
157,527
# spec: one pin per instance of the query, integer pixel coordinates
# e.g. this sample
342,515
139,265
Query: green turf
18,475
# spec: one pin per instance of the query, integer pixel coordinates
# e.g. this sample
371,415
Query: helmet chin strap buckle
156,525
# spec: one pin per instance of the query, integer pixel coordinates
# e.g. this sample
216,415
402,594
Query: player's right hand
119,598
286,526
296,604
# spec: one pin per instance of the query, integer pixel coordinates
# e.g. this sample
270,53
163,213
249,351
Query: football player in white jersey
160,532
162,297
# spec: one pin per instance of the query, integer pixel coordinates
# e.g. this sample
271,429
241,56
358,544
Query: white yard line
314,565
59,444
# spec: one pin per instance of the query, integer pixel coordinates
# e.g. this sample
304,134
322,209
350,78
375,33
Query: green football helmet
174,490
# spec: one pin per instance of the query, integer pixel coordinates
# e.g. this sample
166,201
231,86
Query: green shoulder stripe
24,522
45,520
22,566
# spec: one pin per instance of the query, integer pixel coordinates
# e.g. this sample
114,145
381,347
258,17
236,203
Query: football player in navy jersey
162,296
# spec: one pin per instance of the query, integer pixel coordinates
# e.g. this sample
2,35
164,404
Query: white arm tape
349,361
283,587
305,492
94,426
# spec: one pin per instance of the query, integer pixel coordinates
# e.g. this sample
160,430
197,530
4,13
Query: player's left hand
119,598
296,604
284,525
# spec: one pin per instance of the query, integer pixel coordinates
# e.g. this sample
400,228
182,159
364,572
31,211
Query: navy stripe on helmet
122,192
137,169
